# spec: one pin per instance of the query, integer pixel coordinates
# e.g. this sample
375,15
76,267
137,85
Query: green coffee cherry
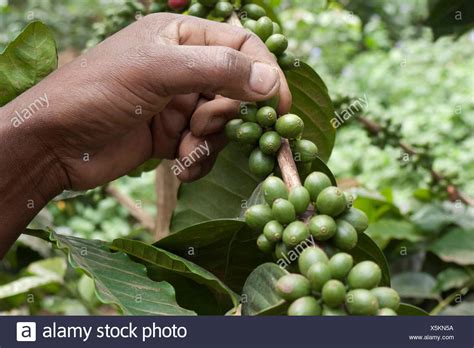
305,151
248,112
318,275
357,219
250,24
387,297
386,312
333,293
253,11
274,188
287,61
264,28
257,216
198,10
231,128
292,286
208,3
277,44
272,102
304,306
364,275
289,126
249,133
266,116
273,231
309,257
261,164
331,201
283,211
322,227
299,197
264,244
346,236
328,311
223,9
340,264
276,28
315,183
295,233
361,302
270,142
281,250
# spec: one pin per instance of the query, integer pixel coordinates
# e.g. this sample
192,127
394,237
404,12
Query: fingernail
263,78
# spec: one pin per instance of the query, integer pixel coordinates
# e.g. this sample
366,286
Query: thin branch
145,219
453,192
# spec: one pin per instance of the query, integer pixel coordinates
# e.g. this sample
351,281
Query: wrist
28,172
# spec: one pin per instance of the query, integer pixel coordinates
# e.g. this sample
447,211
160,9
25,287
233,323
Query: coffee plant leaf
27,60
312,103
259,296
38,274
162,263
418,285
219,195
453,278
450,17
367,249
384,230
455,246
118,279
227,248
410,310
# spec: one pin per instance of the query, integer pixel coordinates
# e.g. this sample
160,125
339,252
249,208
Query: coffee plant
267,232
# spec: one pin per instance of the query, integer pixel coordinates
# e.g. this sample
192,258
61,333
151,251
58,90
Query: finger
194,162
211,117
198,32
168,126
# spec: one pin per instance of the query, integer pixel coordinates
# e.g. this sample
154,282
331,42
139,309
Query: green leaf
410,310
41,273
415,285
448,17
218,195
118,279
367,249
226,247
26,61
165,263
376,206
384,230
464,308
452,278
259,296
455,246
312,103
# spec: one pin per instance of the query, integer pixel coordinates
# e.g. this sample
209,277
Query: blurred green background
382,51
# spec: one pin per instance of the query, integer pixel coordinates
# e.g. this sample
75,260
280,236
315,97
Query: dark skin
156,89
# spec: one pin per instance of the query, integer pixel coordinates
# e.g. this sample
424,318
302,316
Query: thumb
213,69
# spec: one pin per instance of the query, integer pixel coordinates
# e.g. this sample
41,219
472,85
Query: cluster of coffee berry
335,286
213,8
284,223
260,133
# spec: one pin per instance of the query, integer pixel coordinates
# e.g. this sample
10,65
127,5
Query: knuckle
228,60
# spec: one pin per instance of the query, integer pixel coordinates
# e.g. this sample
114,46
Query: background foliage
388,52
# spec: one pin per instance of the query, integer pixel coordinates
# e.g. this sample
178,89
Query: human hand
156,89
